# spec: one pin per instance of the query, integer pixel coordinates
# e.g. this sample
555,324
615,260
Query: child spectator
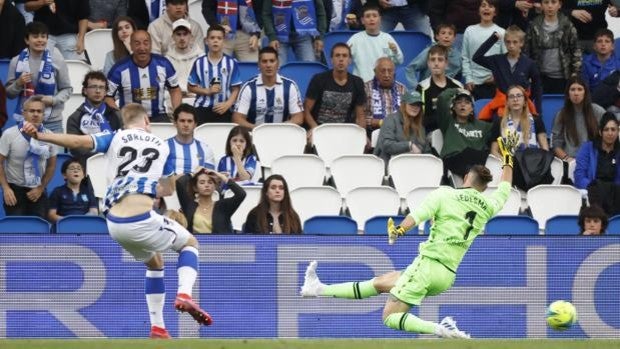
372,44
431,87
592,220
75,197
239,161
417,69
602,62
512,68
552,42
478,79
274,214
41,71
215,80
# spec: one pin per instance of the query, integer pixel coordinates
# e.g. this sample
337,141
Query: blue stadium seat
82,225
401,74
24,225
302,73
511,225
563,225
2,213
330,225
377,225
479,104
58,179
614,226
247,70
332,38
411,43
551,104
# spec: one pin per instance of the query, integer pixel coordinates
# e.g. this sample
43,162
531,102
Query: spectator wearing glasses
75,197
93,116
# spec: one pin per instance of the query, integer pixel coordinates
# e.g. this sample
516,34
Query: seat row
566,225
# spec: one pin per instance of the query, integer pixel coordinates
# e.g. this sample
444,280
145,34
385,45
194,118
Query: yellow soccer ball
561,315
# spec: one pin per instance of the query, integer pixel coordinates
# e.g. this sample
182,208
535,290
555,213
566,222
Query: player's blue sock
187,269
155,291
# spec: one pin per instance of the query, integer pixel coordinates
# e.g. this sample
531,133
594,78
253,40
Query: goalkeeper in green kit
459,215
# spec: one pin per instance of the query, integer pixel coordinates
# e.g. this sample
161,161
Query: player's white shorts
145,234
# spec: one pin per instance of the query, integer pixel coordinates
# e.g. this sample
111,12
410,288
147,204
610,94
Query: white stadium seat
303,170
366,202
98,43
77,71
96,169
409,171
316,201
163,130
71,105
353,171
513,204
215,135
547,201
274,140
252,197
334,140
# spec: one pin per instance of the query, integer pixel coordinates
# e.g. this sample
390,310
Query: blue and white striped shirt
145,86
184,158
203,71
135,160
227,164
261,104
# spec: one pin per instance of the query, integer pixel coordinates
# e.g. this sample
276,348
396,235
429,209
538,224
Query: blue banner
86,286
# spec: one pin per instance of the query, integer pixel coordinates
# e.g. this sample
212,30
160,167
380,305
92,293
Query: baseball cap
181,23
461,93
412,97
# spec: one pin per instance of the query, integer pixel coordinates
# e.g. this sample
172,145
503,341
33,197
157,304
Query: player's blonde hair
133,113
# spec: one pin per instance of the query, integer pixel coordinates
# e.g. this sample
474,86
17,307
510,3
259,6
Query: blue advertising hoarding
86,286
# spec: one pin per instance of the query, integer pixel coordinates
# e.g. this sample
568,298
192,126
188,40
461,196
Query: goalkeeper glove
394,231
507,147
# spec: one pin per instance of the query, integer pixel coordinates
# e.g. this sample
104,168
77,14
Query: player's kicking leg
313,287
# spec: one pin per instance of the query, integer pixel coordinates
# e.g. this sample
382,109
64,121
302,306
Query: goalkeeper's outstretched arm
507,147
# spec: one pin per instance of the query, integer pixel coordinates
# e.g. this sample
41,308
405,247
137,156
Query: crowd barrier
86,286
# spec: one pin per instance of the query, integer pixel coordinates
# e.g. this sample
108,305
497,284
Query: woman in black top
205,216
274,214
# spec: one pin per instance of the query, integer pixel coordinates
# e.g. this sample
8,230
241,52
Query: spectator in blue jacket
598,166
603,61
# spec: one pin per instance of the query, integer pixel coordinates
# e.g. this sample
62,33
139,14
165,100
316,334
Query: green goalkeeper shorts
424,277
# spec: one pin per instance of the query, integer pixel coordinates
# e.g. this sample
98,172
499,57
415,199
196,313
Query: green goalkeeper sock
351,290
410,323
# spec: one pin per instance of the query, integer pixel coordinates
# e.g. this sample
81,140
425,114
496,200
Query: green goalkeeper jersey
458,215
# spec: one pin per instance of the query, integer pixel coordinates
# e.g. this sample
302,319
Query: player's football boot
312,286
184,303
447,329
159,333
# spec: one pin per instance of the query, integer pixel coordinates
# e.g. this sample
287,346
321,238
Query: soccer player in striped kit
136,164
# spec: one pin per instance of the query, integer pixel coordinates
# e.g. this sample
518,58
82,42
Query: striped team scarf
302,13
229,12
36,151
46,84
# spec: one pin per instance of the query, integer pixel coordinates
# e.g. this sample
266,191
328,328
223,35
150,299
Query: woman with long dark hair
239,161
122,28
205,215
274,214
598,166
577,121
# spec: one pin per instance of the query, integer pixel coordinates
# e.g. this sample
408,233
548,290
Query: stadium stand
274,140
252,198
399,170
334,140
77,70
332,38
411,43
546,201
551,104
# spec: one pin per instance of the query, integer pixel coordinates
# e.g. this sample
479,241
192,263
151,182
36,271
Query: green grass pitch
310,344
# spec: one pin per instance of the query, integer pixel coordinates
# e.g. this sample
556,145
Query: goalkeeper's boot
447,329
312,285
184,303
159,333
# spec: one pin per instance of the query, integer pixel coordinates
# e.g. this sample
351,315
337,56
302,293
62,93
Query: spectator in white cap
161,28
183,52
